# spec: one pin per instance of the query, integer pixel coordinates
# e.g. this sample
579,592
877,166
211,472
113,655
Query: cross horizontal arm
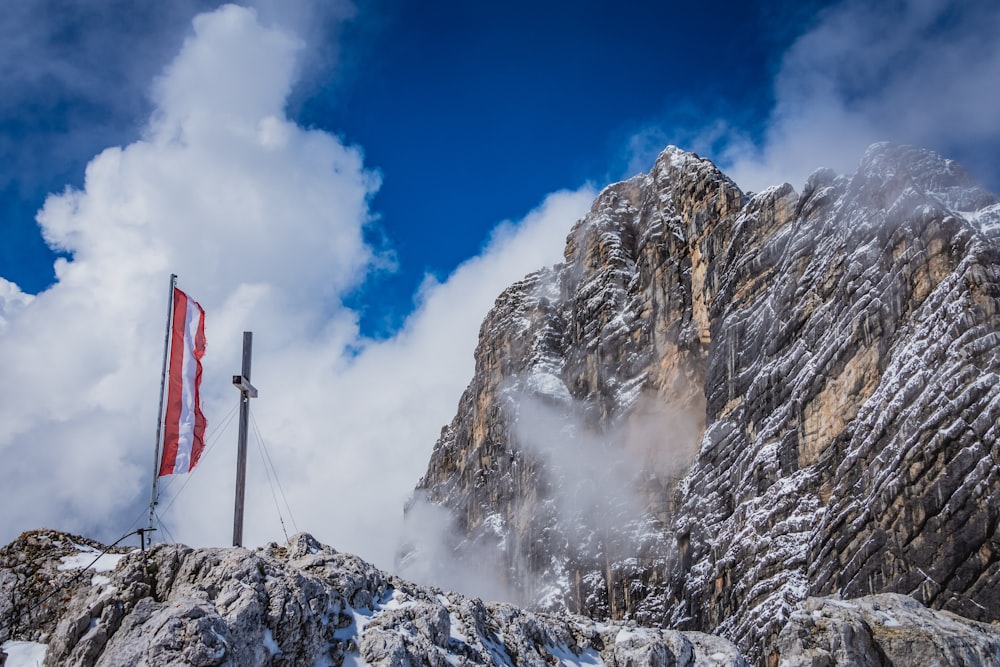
244,385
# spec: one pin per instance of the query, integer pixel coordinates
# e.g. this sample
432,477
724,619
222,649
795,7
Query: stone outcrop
306,604
39,571
885,629
721,404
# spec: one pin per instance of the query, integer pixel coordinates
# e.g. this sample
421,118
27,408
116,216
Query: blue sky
356,182
472,112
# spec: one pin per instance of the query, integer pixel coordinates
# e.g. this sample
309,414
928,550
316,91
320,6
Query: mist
600,474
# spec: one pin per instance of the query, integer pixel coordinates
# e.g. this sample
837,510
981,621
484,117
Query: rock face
39,571
885,629
306,604
721,404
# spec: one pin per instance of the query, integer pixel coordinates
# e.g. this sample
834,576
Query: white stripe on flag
184,423
185,439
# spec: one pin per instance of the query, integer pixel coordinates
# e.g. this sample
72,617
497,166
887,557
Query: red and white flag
184,425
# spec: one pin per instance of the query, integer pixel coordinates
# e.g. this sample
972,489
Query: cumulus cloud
358,419
922,72
263,221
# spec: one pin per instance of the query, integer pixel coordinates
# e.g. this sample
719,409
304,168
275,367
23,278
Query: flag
184,423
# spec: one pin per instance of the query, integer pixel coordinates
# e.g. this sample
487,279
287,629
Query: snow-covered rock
719,405
884,629
306,604
39,571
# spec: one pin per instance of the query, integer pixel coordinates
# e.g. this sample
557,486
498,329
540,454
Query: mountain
729,429
723,403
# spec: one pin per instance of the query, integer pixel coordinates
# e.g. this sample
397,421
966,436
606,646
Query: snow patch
350,660
567,658
88,557
547,384
269,643
396,600
625,635
986,219
24,654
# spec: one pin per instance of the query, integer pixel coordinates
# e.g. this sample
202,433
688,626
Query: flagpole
159,412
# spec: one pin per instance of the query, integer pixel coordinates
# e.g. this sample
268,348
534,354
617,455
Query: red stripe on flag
171,424
184,423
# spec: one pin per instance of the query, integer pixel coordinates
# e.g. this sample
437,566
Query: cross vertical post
247,391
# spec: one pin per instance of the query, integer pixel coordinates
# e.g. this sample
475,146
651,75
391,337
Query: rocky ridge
301,604
721,404
887,629
306,604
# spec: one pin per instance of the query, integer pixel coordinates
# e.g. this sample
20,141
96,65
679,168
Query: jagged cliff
722,403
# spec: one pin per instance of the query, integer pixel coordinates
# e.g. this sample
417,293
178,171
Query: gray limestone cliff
721,404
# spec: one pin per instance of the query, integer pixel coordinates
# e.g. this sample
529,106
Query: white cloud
921,72
12,300
356,430
263,222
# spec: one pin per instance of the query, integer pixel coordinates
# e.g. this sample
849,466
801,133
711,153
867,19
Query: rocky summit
72,602
298,604
723,404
